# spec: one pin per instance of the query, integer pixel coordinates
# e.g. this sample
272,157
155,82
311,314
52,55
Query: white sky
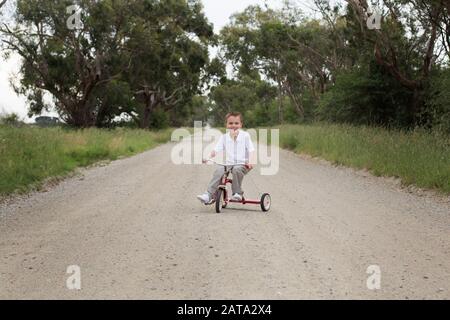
217,12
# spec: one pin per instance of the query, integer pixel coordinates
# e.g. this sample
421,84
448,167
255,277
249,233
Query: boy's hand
234,133
213,154
249,166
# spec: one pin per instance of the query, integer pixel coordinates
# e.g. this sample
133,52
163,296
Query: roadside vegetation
417,157
29,155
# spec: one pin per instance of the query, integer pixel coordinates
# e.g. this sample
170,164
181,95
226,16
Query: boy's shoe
236,197
205,198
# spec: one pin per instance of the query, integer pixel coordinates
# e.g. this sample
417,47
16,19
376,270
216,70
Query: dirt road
136,230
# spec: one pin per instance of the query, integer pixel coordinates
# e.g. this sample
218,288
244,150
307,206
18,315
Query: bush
439,102
159,119
11,119
367,97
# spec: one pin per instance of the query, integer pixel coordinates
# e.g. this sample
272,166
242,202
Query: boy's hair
234,114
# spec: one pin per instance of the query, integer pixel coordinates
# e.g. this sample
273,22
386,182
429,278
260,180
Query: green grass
417,157
30,155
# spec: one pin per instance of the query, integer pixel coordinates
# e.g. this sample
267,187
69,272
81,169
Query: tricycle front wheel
219,201
224,196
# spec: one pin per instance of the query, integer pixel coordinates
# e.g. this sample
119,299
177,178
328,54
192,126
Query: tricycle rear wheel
265,202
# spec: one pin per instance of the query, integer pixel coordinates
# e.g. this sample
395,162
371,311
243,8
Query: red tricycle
221,199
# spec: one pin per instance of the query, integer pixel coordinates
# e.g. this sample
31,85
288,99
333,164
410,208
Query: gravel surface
136,230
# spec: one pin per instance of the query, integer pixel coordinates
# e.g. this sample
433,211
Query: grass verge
30,155
416,157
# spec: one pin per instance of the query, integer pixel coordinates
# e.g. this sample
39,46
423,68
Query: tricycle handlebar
221,164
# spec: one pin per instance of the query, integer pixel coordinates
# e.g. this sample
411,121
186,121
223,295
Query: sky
217,12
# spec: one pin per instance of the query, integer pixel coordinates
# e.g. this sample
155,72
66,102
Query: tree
251,97
299,54
126,56
247,48
71,64
406,46
169,41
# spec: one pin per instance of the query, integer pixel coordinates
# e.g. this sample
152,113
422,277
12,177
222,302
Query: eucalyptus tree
169,43
413,39
100,59
296,53
74,62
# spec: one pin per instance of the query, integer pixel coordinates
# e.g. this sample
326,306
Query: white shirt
236,151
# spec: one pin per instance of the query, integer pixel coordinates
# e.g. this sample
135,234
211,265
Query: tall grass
29,155
417,157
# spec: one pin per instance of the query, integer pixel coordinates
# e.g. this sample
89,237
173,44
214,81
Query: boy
239,152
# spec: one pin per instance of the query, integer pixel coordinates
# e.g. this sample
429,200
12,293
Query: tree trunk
150,104
280,103
416,106
296,101
298,105
145,121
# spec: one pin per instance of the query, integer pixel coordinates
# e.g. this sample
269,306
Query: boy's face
234,122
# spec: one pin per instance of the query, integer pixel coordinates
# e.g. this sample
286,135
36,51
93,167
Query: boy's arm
252,160
217,148
251,153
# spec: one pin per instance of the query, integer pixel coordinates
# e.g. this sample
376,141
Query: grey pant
238,172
